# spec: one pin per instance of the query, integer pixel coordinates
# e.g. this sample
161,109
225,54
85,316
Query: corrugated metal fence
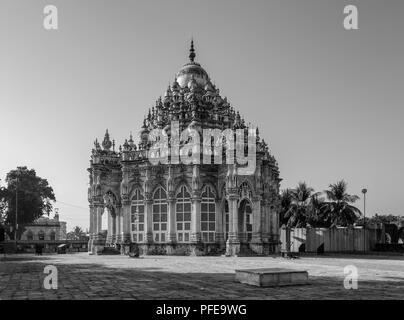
339,239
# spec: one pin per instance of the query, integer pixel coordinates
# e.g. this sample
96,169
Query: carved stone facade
175,208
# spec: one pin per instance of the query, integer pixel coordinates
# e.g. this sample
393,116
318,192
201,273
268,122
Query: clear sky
328,101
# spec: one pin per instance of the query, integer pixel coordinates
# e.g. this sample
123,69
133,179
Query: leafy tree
34,196
76,234
383,218
3,204
338,210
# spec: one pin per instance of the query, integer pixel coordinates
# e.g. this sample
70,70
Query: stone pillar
148,224
264,234
113,227
233,243
230,221
220,222
171,227
265,222
271,222
233,211
196,207
122,222
118,224
109,230
125,226
196,217
123,211
257,228
91,230
256,244
98,219
148,220
99,238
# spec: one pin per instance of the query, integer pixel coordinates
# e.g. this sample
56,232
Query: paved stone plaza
81,276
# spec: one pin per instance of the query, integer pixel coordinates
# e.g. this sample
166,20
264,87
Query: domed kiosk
194,208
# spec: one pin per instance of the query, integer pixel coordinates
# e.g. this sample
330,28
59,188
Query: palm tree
315,211
286,203
339,209
298,213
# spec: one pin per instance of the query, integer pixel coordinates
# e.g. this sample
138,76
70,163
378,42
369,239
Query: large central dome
192,70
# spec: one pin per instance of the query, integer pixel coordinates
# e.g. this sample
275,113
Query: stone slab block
272,277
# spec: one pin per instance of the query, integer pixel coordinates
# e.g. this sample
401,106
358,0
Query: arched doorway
245,220
108,218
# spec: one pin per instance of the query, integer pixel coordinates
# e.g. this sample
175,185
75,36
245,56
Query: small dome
192,71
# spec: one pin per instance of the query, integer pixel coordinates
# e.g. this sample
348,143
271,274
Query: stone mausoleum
176,208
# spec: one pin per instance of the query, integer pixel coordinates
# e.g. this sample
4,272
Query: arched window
159,215
183,215
226,219
41,235
137,216
30,235
208,215
52,236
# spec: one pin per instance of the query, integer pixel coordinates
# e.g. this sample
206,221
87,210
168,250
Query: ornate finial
131,142
126,145
106,144
192,51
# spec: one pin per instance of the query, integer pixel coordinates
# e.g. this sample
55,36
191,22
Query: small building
45,229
